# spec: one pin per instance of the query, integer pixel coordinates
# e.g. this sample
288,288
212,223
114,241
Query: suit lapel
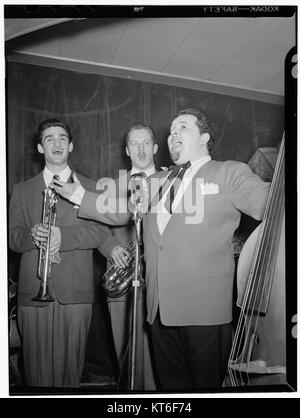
63,205
38,196
151,225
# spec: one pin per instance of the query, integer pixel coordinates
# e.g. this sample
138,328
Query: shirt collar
64,175
149,171
196,164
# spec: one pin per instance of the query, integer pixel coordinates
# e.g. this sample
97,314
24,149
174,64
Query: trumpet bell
44,294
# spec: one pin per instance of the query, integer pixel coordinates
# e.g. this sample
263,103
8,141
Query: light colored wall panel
243,73
162,31
142,55
226,31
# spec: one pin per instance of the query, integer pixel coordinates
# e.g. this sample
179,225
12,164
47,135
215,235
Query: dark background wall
99,110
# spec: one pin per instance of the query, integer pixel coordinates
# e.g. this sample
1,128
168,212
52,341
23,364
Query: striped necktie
176,175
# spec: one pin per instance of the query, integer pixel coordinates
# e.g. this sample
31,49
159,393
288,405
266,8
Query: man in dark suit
54,334
189,254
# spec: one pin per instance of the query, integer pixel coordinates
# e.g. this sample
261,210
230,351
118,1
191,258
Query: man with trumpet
54,327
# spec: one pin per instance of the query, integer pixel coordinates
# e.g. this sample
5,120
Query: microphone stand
136,283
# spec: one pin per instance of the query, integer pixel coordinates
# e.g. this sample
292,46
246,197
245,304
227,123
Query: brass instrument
117,280
45,264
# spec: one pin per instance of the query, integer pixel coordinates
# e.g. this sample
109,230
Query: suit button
161,247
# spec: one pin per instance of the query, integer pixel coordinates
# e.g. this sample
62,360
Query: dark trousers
54,341
190,357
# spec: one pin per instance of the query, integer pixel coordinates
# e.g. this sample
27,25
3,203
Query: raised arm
94,206
249,191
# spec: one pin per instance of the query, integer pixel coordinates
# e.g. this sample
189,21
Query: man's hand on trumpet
39,236
55,241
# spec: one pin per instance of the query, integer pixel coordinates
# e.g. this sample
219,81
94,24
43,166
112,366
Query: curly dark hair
203,123
48,123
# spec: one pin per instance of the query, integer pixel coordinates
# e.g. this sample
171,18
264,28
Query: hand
55,258
55,240
120,256
39,235
67,190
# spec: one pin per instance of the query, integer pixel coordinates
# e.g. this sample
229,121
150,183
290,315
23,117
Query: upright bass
258,355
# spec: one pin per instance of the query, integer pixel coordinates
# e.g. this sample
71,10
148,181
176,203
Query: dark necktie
176,176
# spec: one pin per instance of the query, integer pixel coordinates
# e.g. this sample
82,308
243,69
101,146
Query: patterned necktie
54,194
176,175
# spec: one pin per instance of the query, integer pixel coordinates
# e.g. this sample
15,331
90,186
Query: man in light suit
189,254
140,148
54,334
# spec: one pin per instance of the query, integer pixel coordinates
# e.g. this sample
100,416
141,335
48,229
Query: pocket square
209,188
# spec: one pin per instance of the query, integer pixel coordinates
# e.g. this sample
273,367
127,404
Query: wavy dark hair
48,123
203,123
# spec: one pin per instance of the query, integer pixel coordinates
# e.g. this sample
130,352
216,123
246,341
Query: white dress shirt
63,175
163,216
149,171
55,231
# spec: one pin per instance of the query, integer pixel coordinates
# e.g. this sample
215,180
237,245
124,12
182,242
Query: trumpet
44,264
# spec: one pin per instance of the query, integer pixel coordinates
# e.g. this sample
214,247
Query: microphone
139,193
